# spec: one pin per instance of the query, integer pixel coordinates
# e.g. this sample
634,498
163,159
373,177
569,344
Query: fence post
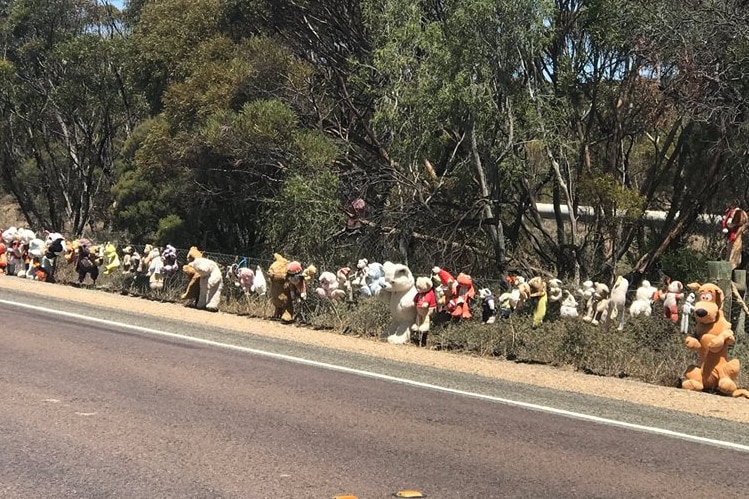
720,273
739,279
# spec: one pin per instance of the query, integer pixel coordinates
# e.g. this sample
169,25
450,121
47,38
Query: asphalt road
101,410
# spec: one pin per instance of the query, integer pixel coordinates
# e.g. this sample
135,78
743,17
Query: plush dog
712,337
488,306
643,302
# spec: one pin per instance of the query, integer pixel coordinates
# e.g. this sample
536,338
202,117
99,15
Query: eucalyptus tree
64,110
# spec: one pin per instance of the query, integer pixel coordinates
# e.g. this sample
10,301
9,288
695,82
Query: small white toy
686,312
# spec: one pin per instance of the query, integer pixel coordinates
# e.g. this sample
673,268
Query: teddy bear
127,262
111,259
616,304
398,292
488,306
192,290
154,269
344,283
34,268
329,287
148,252
643,302
426,303
711,339
169,260
135,261
288,284
686,312
569,306
554,290
459,306
211,283
375,279
670,299
358,280
85,260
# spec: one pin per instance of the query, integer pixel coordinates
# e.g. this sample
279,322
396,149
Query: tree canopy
431,131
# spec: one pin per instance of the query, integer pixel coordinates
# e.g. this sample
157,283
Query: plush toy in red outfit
671,298
460,305
443,283
3,259
734,223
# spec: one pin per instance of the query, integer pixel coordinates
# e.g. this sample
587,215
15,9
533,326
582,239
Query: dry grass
649,349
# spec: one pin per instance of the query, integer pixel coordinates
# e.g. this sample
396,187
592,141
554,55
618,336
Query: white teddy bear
399,291
569,306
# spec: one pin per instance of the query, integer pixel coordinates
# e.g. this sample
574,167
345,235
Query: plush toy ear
718,297
693,286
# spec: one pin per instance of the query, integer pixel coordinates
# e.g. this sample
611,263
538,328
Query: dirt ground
621,389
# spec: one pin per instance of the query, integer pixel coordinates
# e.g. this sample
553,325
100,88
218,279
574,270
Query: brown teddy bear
426,303
288,284
712,337
192,291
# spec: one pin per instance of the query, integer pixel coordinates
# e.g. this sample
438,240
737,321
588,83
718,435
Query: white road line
394,379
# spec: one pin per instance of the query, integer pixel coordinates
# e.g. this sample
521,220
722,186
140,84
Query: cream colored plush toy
398,292
616,304
426,303
211,283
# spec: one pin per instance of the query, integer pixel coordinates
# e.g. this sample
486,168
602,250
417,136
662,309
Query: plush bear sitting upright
288,283
211,283
671,300
643,302
169,258
399,292
426,303
329,287
569,306
712,337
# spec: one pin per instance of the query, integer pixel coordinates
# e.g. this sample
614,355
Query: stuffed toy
211,283
463,293
426,303
587,297
537,291
712,337
169,260
554,290
127,263
643,302
35,253
287,285
146,260
85,260
259,285
329,287
734,224
616,304
55,245
135,261
443,284
9,235
374,280
686,312
508,302
569,306
670,299
359,279
155,268
111,259
600,304
3,259
344,284
246,279
488,307
398,292
192,291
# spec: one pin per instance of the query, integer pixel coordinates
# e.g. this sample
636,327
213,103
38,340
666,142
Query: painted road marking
394,379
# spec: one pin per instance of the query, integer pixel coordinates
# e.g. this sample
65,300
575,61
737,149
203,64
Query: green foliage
685,264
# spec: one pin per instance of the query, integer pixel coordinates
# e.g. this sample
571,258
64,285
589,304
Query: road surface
99,409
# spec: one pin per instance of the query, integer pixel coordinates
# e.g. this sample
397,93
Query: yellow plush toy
537,288
712,337
111,259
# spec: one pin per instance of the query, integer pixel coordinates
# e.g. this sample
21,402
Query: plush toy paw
716,344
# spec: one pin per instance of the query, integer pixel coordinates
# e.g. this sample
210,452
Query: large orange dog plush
712,337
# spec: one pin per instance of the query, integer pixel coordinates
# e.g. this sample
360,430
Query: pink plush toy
246,279
671,300
329,287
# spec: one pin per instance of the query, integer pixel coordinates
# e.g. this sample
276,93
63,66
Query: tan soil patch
544,376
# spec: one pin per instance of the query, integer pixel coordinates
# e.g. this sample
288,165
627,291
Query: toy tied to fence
711,339
734,224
